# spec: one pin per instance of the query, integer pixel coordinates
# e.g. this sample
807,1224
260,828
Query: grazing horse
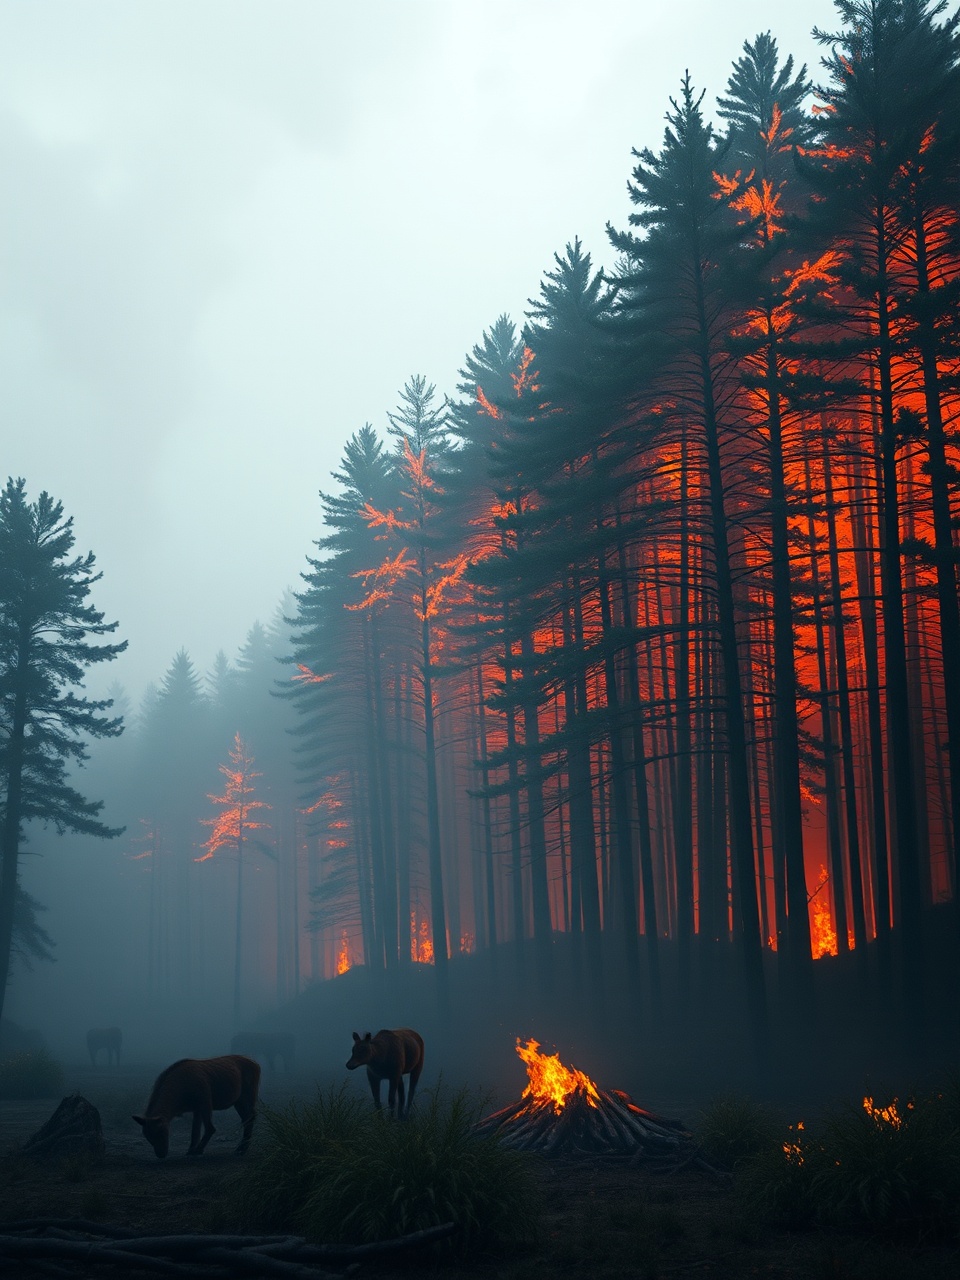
201,1085
266,1044
389,1055
108,1038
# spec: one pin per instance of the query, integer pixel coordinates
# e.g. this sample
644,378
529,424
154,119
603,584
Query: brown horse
201,1085
389,1055
109,1038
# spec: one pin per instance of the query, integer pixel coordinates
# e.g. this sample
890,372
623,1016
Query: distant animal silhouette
201,1085
266,1044
109,1038
389,1055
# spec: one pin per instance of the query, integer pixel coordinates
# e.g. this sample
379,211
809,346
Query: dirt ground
600,1221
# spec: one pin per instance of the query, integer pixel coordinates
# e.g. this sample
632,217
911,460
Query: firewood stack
611,1124
562,1112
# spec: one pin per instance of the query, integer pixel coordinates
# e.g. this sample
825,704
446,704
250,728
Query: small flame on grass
550,1082
885,1115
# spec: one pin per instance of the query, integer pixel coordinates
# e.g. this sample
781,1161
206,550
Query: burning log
562,1112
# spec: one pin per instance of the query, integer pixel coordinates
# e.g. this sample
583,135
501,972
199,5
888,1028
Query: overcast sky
231,230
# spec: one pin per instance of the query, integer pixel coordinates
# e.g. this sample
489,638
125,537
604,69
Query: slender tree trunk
238,936
788,833
843,700
489,874
438,916
895,667
15,751
867,592
388,906
641,793
834,842
746,913
945,552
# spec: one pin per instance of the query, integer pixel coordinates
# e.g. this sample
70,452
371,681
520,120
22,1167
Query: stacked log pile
593,1123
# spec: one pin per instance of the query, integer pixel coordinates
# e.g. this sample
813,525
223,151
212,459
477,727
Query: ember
563,1112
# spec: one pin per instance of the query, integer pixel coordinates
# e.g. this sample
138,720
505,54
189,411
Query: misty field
588,1218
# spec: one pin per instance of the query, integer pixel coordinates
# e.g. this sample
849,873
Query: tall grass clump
890,1170
732,1131
344,1174
32,1073
893,1168
776,1184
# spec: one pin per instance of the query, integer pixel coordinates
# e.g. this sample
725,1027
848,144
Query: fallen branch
66,1224
33,1248
285,1257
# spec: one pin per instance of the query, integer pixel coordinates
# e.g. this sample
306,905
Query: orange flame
550,1082
421,944
885,1115
823,936
793,1147
343,954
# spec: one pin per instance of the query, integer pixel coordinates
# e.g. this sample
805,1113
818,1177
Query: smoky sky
230,231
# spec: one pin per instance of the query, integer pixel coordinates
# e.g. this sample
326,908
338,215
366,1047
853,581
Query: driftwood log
73,1129
54,1245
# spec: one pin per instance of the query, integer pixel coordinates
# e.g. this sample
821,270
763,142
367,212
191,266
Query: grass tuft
342,1173
733,1130
30,1074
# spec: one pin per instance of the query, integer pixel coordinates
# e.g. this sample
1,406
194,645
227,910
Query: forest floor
600,1221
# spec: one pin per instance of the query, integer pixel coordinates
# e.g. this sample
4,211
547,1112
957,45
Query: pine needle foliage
344,1174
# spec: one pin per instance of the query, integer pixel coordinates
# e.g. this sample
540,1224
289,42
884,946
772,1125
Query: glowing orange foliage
485,406
307,676
233,821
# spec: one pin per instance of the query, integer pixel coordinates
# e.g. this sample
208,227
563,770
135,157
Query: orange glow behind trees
660,649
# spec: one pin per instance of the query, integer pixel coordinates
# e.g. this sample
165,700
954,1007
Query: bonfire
563,1112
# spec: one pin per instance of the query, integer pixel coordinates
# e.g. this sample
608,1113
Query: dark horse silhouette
268,1045
109,1038
389,1055
201,1085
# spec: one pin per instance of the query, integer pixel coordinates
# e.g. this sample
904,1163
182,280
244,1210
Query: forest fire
562,1112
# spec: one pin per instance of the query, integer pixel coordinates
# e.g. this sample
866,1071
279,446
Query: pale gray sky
230,230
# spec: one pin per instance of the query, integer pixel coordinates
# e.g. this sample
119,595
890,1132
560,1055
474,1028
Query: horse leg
400,1097
248,1113
208,1129
374,1087
194,1135
414,1077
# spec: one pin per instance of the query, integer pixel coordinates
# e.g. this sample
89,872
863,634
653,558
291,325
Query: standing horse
389,1055
108,1038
